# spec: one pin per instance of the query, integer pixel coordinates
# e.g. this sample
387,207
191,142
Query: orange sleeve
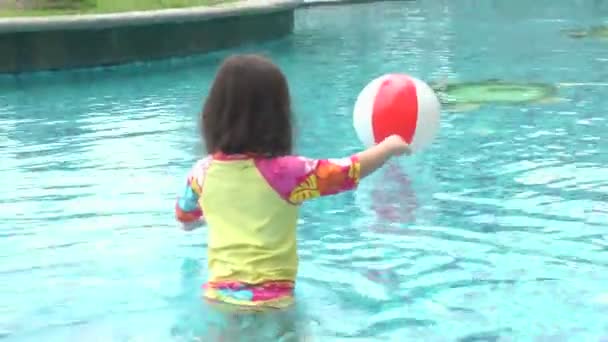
326,177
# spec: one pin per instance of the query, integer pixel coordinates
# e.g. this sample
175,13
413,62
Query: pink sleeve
297,179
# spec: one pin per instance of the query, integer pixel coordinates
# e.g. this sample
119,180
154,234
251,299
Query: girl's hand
375,156
396,145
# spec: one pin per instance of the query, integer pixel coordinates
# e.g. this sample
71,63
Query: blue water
497,232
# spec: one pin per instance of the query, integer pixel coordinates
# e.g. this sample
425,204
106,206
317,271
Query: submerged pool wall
67,42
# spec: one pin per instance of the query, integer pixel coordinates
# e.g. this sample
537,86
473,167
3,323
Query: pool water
497,232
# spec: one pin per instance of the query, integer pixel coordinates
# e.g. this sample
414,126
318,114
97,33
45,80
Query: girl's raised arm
298,179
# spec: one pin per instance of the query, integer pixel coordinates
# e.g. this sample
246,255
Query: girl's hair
248,109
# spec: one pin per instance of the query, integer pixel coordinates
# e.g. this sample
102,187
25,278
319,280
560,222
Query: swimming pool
498,232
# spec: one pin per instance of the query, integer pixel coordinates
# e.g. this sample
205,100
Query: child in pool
250,186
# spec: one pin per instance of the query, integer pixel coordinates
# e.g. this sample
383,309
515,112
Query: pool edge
64,42
31,44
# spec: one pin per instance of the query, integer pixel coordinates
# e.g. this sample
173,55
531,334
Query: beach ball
397,104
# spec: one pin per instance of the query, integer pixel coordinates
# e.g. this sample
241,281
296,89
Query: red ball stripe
395,109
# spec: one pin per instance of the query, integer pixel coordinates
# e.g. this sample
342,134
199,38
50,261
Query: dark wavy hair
248,109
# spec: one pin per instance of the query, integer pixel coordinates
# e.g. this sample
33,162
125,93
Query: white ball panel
429,109
362,114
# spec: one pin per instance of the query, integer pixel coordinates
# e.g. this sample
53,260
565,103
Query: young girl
250,186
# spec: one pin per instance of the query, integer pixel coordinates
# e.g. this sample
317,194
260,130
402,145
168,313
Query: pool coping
140,18
319,3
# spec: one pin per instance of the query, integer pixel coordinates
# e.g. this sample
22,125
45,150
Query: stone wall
50,43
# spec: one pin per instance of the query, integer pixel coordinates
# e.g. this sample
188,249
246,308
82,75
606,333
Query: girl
250,186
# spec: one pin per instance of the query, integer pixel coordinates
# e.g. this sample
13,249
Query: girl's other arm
187,209
187,206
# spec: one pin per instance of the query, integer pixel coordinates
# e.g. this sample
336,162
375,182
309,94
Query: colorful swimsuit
251,207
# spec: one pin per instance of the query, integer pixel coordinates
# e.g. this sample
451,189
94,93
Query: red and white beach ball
397,104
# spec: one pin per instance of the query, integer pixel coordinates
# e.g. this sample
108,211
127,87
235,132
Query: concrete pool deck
75,41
